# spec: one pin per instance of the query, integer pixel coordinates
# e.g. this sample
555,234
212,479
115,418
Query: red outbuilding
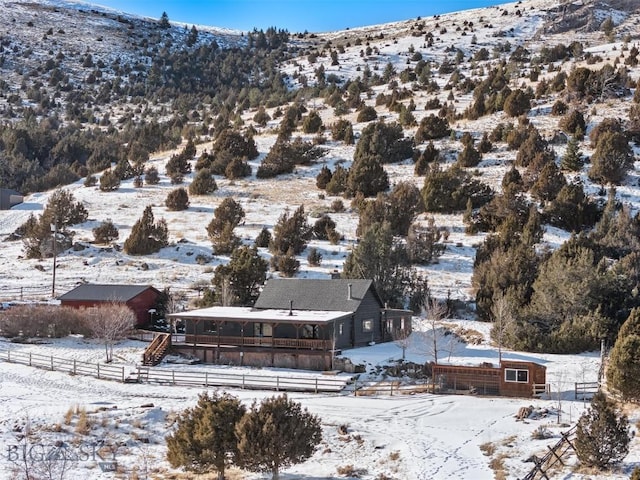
142,299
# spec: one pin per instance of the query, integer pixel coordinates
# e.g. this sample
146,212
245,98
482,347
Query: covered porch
246,336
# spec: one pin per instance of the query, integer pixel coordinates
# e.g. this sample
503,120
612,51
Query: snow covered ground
405,436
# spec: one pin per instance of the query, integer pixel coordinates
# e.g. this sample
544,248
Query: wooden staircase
156,350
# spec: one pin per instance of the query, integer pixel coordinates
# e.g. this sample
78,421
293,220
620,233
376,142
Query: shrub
314,257
151,176
106,232
203,183
312,123
337,206
177,200
264,238
146,236
602,434
517,103
109,181
367,114
432,128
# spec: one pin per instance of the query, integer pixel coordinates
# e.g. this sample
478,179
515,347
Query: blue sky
292,15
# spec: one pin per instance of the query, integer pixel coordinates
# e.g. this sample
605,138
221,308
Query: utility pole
54,230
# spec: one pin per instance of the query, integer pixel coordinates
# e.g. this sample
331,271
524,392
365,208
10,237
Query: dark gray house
369,321
9,198
294,323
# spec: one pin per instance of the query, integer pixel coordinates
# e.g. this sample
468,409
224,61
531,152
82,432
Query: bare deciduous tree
430,341
502,319
402,339
110,323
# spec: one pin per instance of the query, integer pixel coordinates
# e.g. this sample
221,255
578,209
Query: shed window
367,325
516,375
340,329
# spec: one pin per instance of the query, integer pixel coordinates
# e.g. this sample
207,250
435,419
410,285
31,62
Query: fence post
74,366
277,384
173,376
391,392
122,374
206,379
243,381
29,358
98,370
52,363
316,385
9,355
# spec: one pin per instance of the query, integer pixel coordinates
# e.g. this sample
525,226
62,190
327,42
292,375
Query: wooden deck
225,340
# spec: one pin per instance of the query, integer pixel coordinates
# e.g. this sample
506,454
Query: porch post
218,328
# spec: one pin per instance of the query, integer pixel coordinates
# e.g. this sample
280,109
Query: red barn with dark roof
139,298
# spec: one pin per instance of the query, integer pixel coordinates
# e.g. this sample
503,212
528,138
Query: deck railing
189,339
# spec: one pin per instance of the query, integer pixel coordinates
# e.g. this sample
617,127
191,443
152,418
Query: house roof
105,293
8,191
315,294
253,315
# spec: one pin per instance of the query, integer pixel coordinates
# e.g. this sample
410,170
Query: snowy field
405,436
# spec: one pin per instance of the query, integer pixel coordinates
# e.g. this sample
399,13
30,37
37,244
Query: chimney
290,308
349,292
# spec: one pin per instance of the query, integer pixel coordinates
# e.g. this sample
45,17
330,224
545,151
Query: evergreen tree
287,264
264,238
62,210
291,231
177,200
383,259
602,434
623,371
312,123
275,434
429,155
109,181
106,232
572,158
367,176
151,176
205,439
323,177
203,183
612,158
469,157
432,128
226,218
243,276
146,236
164,20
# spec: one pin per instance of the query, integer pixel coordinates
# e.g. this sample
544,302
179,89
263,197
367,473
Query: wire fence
26,293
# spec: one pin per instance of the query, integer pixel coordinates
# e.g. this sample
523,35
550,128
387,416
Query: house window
340,329
262,330
210,327
367,325
516,375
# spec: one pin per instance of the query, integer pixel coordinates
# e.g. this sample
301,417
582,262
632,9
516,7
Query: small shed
511,378
139,298
9,198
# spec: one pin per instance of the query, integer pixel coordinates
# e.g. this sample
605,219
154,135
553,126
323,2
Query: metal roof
315,294
105,293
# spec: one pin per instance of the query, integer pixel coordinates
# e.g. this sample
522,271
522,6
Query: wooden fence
316,384
66,365
554,455
584,390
